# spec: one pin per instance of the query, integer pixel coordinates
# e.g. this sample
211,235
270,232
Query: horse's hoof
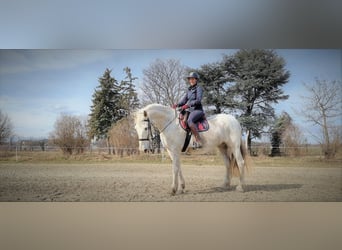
239,188
173,192
226,185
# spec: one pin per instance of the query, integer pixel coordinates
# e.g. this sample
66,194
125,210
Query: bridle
149,129
149,137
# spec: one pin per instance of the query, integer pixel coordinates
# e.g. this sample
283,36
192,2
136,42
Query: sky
36,86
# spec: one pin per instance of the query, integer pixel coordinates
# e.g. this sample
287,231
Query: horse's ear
145,113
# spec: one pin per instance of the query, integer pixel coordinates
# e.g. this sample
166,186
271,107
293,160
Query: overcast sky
36,86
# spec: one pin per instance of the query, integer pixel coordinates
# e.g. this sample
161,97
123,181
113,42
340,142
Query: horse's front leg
176,172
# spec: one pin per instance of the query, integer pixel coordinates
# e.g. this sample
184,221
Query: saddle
202,125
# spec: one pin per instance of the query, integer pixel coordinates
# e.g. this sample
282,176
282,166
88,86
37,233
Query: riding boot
196,134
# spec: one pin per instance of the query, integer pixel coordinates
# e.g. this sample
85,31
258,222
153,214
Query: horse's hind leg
181,180
241,164
224,151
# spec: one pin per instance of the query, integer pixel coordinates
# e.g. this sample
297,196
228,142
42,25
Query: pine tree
111,102
280,125
105,109
129,96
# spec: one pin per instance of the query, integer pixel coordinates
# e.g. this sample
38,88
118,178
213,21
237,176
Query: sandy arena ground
152,182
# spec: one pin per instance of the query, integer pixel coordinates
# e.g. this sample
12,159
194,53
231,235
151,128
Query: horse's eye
145,128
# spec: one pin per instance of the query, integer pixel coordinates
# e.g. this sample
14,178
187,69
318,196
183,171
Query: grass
96,157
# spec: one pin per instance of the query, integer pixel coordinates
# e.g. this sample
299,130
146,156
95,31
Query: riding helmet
194,75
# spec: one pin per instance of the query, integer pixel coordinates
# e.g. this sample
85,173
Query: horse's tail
245,157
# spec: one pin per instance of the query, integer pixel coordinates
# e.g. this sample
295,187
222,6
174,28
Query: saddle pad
201,126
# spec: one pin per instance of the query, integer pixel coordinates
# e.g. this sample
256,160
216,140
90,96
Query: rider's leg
194,117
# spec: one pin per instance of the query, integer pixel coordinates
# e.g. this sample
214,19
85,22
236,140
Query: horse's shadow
252,188
272,187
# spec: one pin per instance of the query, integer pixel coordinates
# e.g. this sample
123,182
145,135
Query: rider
192,100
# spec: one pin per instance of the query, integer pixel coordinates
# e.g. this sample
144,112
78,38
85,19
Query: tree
128,93
293,139
70,134
124,136
111,102
6,127
106,108
163,82
256,77
322,106
277,132
214,83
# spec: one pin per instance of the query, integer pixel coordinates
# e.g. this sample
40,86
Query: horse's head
161,117
143,128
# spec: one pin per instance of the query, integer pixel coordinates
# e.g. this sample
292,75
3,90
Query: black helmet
194,75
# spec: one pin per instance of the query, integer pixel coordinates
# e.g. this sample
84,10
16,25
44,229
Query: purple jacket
193,98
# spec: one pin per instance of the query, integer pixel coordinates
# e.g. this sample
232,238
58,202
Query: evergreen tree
129,96
111,102
214,83
257,76
106,106
277,132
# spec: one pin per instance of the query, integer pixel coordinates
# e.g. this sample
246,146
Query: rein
168,124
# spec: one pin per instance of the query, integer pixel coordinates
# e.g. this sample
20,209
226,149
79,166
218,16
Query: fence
260,150
305,150
91,152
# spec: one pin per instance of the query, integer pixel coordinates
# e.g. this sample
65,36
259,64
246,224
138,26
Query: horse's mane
156,107
153,108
